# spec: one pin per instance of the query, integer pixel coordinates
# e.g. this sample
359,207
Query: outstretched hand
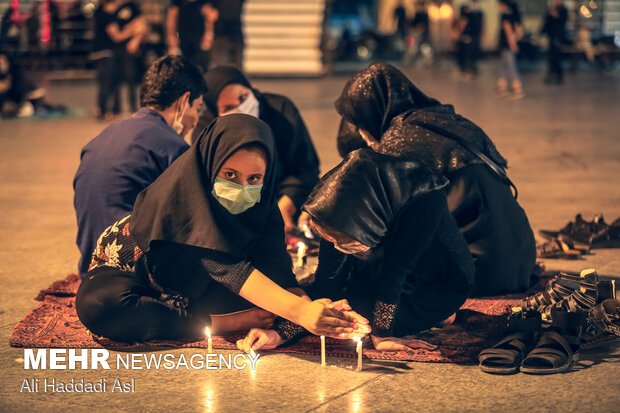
399,344
258,338
341,321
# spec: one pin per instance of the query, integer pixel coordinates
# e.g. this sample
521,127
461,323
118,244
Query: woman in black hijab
389,245
394,117
297,168
199,239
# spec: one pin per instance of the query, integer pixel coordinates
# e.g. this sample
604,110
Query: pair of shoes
607,237
570,292
506,356
532,349
603,325
580,231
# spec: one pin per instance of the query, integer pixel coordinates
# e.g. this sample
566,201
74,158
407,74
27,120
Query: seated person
130,154
297,169
394,117
203,246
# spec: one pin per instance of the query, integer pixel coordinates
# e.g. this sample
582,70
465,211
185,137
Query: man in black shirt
190,30
473,31
131,28
228,34
555,28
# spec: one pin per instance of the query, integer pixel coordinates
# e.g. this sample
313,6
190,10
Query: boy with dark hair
130,154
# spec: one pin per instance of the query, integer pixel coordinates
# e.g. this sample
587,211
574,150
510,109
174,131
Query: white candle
323,351
301,253
209,342
358,348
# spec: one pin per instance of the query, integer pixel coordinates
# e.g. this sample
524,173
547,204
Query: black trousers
193,53
127,66
107,86
123,306
555,60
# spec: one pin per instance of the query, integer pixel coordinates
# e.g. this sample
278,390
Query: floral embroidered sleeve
116,248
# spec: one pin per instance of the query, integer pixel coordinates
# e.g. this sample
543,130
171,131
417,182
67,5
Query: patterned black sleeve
383,319
289,331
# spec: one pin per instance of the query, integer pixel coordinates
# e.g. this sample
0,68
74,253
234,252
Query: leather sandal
505,357
558,346
556,248
603,324
581,300
556,292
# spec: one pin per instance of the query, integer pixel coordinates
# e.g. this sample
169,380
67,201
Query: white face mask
177,124
249,106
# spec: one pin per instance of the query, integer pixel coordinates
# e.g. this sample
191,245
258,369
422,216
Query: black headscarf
365,193
381,100
179,207
217,79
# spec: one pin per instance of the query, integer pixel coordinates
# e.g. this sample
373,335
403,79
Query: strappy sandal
603,324
556,292
556,248
583,299
558,346
505,357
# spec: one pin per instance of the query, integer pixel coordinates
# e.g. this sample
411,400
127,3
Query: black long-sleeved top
424,261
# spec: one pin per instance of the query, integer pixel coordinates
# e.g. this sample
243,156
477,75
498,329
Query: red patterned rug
54,324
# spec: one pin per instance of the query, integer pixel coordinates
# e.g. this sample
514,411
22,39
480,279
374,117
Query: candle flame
357,339
208,332
252,353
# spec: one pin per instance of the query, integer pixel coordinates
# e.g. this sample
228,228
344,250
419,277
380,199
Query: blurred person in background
20,97
554,27
228,39
420,42
190,25
509,34
130,27
128,155
297,166
103,56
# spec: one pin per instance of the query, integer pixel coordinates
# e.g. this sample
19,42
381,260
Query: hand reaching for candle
320,319
258,338
399,344
362,325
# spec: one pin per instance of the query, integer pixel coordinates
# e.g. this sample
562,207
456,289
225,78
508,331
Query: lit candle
209,342
323,351
307,233
301,253
358,348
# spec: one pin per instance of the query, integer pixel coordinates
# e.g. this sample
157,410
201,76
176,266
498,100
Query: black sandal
558,346
505,357
603,324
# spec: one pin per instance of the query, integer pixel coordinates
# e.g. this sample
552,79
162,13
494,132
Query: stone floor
563,146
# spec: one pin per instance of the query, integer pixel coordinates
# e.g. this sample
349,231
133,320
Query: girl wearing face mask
205,246
389,245
297,167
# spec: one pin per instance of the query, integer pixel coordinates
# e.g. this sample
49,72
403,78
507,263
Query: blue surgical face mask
234,197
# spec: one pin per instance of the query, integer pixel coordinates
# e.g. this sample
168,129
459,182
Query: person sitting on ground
297,170
130,154
389,246
394,117
203,246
